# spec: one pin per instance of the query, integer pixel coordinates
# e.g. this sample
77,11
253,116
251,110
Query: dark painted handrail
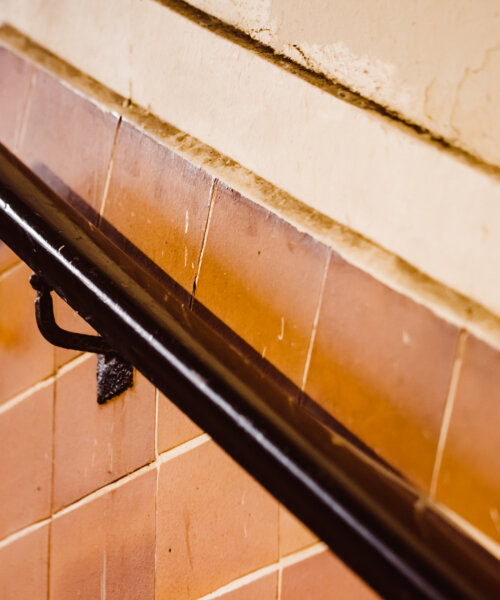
367,519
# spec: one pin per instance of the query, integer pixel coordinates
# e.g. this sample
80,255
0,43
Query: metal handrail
364,515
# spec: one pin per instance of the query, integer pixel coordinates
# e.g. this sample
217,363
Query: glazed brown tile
265,588
215,524
7,258
468,480
96,444
23,566
105,548
68,143
294,535
323,577
26,461
25,357
174,427
381,365
262,278
15,78
159,202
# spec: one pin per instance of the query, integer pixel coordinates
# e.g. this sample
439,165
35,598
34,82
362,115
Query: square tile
323,577
24,565
262,278
294,535
381,365
265,588
105,548
96,444
215,524
468,480
26,461
159,203
25,357
15,80
174,427
68,143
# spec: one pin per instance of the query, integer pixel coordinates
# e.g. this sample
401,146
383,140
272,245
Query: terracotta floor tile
323,577
25,356
159,202
381,365
265,588
174,427
23,566
215,523
294,535
15,78
262,278
26,461
68,143
469,481
105,548
96,444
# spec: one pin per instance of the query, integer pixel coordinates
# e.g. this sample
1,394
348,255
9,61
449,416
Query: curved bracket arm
44,311
114,374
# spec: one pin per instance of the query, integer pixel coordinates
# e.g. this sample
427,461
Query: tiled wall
123,499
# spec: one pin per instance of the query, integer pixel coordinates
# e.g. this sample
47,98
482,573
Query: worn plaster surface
420,202
437,64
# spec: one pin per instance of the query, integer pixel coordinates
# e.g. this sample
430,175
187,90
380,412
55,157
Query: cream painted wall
93,35
414,198
437,63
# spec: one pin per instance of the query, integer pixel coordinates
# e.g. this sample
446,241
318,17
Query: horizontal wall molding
357,249
365,171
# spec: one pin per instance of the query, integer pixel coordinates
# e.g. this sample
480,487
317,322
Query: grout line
448,410
18,398
280,582
242,581
52,479
204,240
183,448
156,527
167,456
18,144
102,491
275,567
49,545
17,535
108,172
315,322
301,555
73,364
32,389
